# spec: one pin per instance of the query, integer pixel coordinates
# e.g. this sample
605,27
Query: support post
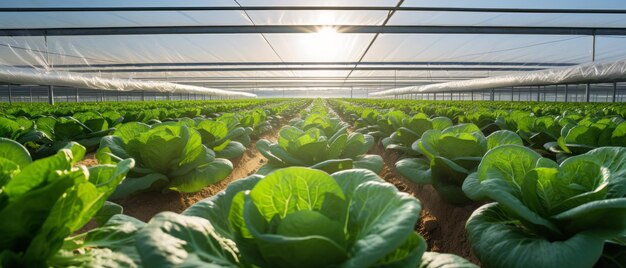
472,95
30,93
10,94
434,95
51,95
492,96
351,89
566,91
614,92
143,95
76,97
593,47
512,91
538,93
587,92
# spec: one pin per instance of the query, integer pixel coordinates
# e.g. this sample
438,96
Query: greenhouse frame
313,134
266,47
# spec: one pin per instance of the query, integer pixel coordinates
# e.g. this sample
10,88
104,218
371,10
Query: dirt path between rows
441,224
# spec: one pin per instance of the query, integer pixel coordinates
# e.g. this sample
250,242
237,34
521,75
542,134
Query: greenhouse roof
268,45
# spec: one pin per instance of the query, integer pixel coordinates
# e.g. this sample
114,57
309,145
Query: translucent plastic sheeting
584,73
388,3
481,48
424,18
39,77
552,4
318,17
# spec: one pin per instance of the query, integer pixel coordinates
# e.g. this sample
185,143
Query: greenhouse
275,133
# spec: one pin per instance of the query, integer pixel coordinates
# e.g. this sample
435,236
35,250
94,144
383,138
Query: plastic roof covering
68,79
590,72
305,60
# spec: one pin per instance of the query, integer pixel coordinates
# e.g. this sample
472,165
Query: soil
89,160
441,224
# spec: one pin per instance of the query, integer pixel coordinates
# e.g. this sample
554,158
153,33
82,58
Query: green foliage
43,202
304,144
168,157
546,214
451,155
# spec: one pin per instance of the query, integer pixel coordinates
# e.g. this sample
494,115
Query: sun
327,31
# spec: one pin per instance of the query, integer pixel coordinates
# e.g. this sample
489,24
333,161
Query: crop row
287,218
555,183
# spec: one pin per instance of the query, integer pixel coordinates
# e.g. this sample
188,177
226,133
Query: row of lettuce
307,207
555,183
50,128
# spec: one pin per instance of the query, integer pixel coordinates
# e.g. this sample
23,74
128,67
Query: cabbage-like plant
220,139
294,217
22,130
168,157
312,148
329,125
411,130
545,214
589,134
63,130
44,201
379,125
452,154
217,135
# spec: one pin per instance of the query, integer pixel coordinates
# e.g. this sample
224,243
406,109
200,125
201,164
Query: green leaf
216,208
14,152
293,189
415,170
108,210
503,137
130,131
498,243
139,184
372,162
379,210
203,176
232,150
170,239
334,165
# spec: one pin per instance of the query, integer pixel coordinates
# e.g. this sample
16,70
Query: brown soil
89,160
441,224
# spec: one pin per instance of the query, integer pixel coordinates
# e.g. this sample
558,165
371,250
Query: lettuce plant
411,130
44,201
294,217
452,154
217,135
379,125
63,130
329,125
588,134
545,214
312,148
168,157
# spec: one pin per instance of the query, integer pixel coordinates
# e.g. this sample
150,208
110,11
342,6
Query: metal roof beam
435,68
305,8
269,29
273,63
